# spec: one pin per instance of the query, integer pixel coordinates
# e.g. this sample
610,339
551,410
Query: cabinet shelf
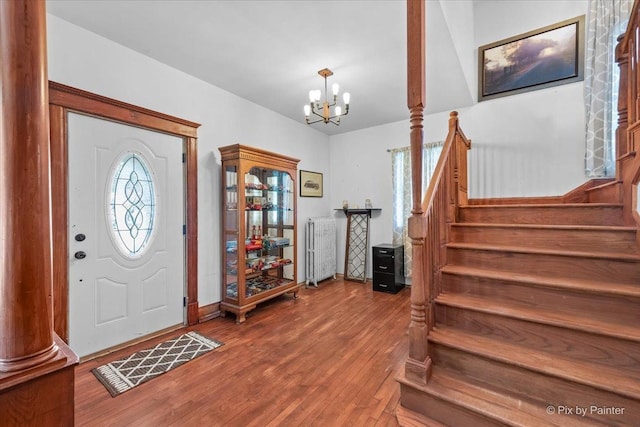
268,210
267,266
259,188
273,248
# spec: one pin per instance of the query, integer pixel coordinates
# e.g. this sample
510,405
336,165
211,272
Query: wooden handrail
447,191
628,131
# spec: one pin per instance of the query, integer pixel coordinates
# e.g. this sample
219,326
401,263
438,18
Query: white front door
126,241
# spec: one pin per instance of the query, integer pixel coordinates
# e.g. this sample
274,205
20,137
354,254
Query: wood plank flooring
328,358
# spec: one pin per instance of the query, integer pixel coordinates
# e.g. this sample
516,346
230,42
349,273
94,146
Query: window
606,20
132,205
402,188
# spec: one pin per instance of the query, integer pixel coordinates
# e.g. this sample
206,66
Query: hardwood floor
328,358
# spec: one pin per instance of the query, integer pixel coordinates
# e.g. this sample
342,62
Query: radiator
321,253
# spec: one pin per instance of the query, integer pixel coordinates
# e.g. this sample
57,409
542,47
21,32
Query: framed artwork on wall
310,184
542,58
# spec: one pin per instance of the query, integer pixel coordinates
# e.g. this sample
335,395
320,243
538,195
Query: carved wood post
627,60
622,58
418,365
26,334
460,166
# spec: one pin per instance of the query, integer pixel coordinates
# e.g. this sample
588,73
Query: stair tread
620,228
543,251
609,379
575,321
578,285
545,205
455,388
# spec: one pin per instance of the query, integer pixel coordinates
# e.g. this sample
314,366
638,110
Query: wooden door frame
64,99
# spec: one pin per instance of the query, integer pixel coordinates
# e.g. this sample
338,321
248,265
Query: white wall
84,60
460,22
523,145
530,144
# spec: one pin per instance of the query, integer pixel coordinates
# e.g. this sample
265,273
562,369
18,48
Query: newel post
418,365
622,58
460,164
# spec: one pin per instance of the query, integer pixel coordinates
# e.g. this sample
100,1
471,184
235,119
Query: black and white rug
131,371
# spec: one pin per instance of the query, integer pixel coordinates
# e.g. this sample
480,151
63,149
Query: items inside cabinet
269,210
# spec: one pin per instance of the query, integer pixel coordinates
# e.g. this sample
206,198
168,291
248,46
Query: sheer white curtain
401,179
606,20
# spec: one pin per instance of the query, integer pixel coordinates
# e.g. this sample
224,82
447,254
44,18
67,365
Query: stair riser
548,265
544,238
441,411
551,215
617,309
566,343
533,386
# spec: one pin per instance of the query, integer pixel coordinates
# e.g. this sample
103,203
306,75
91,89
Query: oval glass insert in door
132,205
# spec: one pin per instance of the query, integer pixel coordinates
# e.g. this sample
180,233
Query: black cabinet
388,267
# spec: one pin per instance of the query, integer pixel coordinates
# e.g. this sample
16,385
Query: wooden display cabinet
258,228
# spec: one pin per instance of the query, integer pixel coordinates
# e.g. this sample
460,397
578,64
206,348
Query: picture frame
310,184
542,58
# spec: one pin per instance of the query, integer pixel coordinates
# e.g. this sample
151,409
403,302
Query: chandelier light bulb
346,97
335,88
338,110
307,110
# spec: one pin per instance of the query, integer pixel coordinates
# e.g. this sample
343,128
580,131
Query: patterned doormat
127,373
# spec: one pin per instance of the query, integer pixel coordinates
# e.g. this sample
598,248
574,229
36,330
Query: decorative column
418,365
26,337
36,367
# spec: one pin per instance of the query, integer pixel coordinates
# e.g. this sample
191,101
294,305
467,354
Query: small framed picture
310,184
549,56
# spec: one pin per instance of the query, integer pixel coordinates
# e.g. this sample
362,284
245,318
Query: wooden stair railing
429,236
628,131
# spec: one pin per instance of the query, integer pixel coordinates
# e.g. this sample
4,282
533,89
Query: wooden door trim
63,99
101,106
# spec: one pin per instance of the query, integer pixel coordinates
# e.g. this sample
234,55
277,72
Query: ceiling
269,51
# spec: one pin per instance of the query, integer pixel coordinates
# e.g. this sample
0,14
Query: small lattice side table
357,248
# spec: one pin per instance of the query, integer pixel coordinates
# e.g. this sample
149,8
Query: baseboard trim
208,312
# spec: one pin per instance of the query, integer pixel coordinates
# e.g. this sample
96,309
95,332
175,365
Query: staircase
537,320
524,312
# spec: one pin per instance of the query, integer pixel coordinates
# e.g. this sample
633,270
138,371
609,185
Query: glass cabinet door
230,225
269,222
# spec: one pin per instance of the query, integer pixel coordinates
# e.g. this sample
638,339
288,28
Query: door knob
80,237
80,255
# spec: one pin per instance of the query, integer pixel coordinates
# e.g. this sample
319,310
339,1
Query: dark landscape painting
548,56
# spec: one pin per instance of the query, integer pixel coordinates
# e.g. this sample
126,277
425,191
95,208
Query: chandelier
324,109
